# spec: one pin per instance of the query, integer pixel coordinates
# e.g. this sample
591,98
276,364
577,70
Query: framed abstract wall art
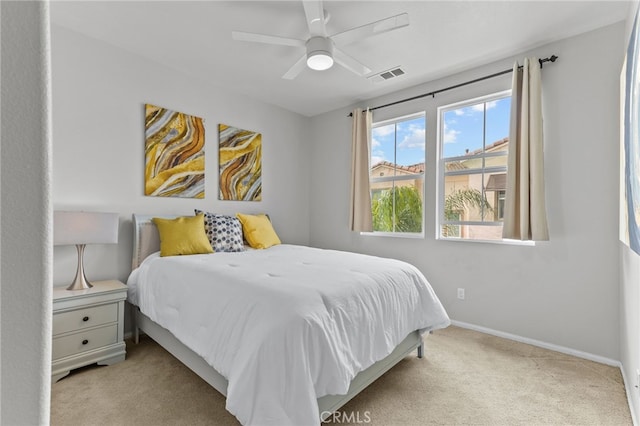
174,154
240,159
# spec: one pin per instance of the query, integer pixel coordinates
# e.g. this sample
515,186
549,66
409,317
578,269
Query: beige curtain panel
361,219
525,215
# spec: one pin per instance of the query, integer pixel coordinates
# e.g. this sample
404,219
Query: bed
288,334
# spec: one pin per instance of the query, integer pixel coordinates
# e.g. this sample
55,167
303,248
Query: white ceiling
443,37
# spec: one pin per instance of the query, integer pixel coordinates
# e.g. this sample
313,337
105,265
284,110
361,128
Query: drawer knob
85,341
85,319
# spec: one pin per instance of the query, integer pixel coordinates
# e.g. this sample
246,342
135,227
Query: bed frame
147,241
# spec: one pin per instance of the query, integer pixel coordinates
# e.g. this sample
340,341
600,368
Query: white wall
99,92
25,293
630,298
564,292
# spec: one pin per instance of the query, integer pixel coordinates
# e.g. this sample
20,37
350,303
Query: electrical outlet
461,293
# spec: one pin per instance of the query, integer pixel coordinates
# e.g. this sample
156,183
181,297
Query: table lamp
80,228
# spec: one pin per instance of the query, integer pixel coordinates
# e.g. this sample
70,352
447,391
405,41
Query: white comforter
288,324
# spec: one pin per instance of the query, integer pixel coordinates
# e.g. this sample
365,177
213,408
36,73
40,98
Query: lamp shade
77,227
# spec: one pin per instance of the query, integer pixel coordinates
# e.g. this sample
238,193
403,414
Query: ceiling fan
321,49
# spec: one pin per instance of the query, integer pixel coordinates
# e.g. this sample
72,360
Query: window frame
395,178
441,172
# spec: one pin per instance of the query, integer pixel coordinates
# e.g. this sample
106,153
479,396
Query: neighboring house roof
490,148
497,182
413,168
453,166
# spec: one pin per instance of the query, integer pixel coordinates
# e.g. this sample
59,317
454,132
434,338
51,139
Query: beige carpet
466,378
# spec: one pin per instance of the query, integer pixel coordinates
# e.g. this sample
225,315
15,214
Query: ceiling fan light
319,60
319,53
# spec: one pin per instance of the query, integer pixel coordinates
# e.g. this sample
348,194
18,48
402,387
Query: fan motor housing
319,53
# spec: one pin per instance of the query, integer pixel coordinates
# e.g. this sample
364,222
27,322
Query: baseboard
628,387
539,343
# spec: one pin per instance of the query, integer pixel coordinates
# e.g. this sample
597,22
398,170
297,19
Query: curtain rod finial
552,58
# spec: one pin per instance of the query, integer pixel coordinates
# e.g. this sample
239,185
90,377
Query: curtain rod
552,58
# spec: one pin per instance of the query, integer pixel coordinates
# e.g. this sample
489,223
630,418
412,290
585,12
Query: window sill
394,234
505,242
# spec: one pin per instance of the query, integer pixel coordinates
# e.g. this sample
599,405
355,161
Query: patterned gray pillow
224,232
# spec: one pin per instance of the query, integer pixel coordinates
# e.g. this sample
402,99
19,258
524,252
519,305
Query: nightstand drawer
84,341
84,318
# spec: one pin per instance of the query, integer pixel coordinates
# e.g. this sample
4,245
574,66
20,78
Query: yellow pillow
182,235
258,231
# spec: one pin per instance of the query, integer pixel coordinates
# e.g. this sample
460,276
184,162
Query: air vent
386,75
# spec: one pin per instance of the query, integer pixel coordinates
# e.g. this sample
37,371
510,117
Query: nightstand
88,327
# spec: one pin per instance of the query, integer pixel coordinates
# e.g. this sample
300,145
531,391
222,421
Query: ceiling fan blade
368,30
349,63
296,68
314,12
268,39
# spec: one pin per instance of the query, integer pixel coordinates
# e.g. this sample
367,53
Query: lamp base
80,282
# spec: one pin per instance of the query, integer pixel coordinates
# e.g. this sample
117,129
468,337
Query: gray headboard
146,239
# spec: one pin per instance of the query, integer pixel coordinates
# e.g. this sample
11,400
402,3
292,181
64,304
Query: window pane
499,161
398,208
499,207
463,131
463,165
497,126
382,147
475,164
450,231
477,135
377,188
472,232
465,199
495,185
397,175
410,143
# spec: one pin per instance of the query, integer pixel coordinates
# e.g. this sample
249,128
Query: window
397,175
473,147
